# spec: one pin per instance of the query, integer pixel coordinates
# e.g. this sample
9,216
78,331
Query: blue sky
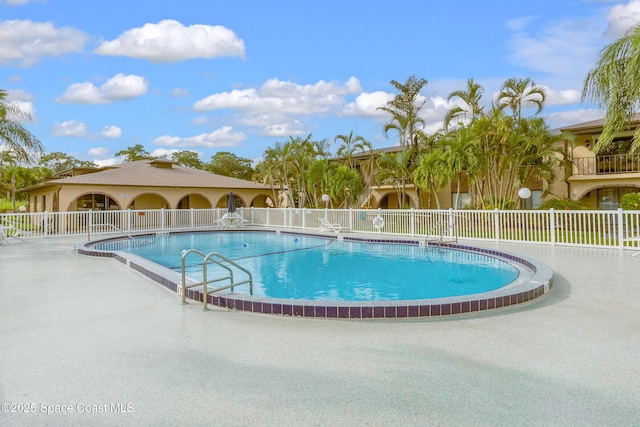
208,76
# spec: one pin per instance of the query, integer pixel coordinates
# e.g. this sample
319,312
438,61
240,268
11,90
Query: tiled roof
594,124
168,174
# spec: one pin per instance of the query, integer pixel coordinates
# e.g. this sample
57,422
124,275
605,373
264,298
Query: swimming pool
339,276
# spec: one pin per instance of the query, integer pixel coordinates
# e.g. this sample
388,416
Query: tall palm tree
13,136
471,108
461,156
614,84
21,144
350,146
394,168
517,93
405,110
431,175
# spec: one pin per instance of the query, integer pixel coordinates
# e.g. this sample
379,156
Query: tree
405,110
135,153
517,93
614,84
345,184
431,175
460,154
350,146
228,164
58,162
471,109
22,145
187,158
394,169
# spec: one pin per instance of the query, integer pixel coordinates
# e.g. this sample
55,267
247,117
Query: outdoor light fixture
588,143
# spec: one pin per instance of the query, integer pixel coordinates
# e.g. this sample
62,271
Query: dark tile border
537,286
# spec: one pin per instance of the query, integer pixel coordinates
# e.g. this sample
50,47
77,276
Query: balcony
606,165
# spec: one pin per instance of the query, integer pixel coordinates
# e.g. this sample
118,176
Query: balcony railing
608,164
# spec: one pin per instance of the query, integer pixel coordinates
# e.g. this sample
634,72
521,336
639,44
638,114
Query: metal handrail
106,225
441,238
206,259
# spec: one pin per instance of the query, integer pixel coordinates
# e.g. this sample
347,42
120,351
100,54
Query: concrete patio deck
108,346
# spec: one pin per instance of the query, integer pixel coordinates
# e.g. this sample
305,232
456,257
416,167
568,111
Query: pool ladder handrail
441,237
208,258
106,225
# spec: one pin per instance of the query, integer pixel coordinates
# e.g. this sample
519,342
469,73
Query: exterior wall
142,197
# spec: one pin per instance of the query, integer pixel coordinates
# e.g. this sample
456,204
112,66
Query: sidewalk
95,339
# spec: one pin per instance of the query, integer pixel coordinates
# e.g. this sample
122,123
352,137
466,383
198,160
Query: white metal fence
608,229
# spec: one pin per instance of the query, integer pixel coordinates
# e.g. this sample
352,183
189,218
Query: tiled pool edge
537,286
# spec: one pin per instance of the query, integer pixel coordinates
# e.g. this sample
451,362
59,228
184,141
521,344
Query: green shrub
562,204
630,202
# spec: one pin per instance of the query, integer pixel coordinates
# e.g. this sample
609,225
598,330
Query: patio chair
325,225
231,220
9,231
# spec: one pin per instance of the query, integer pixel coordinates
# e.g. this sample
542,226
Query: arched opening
222,202
262,201
194,201
93,202
390,201
148,201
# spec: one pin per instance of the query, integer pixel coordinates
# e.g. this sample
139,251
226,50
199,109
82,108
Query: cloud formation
117,88
170,41
25,43
223,137
621,18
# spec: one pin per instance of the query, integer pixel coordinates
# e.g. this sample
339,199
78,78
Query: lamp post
524,193
325,199
347,191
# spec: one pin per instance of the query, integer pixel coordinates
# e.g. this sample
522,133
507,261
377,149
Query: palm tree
350,146
21,144
461,156
431,175
13,136
394,168
471,108
517,93
405,109
614,84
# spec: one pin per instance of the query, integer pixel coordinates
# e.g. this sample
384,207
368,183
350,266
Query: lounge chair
325,225
231,220
7,231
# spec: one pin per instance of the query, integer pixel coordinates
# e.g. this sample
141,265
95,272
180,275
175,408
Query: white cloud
366,105
562,97
78,129
567,118
71,128
111,132
98,151
26,42
223,137
565,48
20,2
170,41
162,152
180,93
119,87
22,101
107,162
283,96
622,17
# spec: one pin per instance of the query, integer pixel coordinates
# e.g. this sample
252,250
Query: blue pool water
315,268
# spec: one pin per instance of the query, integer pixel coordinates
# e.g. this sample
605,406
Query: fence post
620,229
412,217
191,217
162,219
496,224
46,223
552,225
304,218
